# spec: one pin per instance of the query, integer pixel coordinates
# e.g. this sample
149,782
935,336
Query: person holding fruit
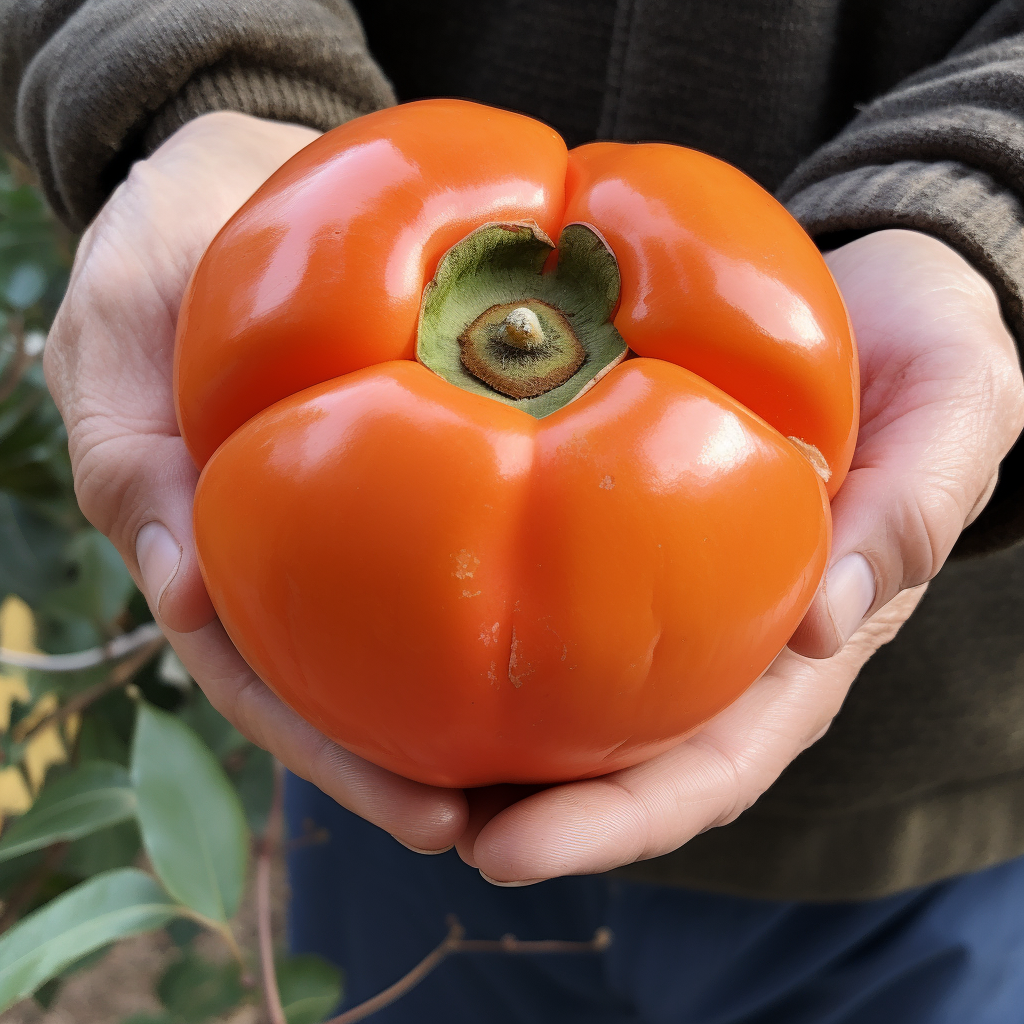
879,873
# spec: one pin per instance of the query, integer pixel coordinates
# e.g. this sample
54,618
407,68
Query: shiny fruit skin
443,584
467,595
322,271
719,278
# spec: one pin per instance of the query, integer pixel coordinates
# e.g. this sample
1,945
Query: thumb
942,403
164,548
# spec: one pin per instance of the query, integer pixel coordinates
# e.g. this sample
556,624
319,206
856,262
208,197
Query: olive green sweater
861,114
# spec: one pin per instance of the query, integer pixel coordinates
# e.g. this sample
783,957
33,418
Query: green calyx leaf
494,323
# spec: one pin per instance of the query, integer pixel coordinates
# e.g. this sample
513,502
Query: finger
655,807
108,359
943,402
424,817
484,804
134,479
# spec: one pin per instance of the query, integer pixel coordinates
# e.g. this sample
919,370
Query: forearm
942,153
86,89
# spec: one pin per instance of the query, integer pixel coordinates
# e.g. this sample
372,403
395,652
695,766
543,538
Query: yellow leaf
17,627
41,752
12,688
46,705
17,632
15,797
46,748
71,726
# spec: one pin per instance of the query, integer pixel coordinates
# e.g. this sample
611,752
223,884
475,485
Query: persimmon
516,462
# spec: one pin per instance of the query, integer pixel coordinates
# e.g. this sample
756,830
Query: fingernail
159,556
511,885
850,593
426,853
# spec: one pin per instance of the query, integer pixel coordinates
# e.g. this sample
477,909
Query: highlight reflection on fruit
516,462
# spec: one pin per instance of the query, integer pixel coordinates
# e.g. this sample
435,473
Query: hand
942,403
108,363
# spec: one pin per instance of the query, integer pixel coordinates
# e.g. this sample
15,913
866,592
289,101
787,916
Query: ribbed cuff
973,214
116,77
256,91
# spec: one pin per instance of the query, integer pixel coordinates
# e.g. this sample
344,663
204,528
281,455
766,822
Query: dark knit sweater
861,114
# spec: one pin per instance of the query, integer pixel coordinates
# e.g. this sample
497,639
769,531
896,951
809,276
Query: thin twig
116,648
119,675
447,946
26,892
268,845
20,361
455,942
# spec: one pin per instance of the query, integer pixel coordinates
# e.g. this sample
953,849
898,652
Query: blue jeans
951,953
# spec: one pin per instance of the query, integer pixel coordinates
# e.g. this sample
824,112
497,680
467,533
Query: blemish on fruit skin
517,672
490,636
565,648
492,672
473,593
607,483
466,564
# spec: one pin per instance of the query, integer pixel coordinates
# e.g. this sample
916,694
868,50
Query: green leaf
94,796
310,988
45,994
99,739
183,930
31,550
106,908
193,825
101,584
193,989
254,783
34,461
114,847
213,728
14,872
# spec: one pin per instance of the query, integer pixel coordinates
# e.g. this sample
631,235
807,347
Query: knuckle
240,702
930,525
116,473
104,491
327,765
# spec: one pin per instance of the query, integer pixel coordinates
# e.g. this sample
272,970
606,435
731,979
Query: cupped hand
942,403
108,363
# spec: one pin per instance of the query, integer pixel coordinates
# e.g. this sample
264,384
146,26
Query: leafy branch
144,635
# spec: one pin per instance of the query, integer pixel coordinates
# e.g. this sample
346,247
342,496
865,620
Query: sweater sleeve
942,153
89,86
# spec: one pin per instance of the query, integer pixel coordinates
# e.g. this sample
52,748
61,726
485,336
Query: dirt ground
122,983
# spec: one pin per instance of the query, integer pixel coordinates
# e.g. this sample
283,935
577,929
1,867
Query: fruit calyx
494,323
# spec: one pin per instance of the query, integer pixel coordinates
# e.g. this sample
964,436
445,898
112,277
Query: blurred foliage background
84,803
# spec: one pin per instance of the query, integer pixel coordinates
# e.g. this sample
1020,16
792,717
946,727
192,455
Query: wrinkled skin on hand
942,402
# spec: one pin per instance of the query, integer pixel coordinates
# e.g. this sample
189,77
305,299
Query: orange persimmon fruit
516,462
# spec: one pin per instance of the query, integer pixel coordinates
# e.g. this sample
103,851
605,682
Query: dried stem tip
522,329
